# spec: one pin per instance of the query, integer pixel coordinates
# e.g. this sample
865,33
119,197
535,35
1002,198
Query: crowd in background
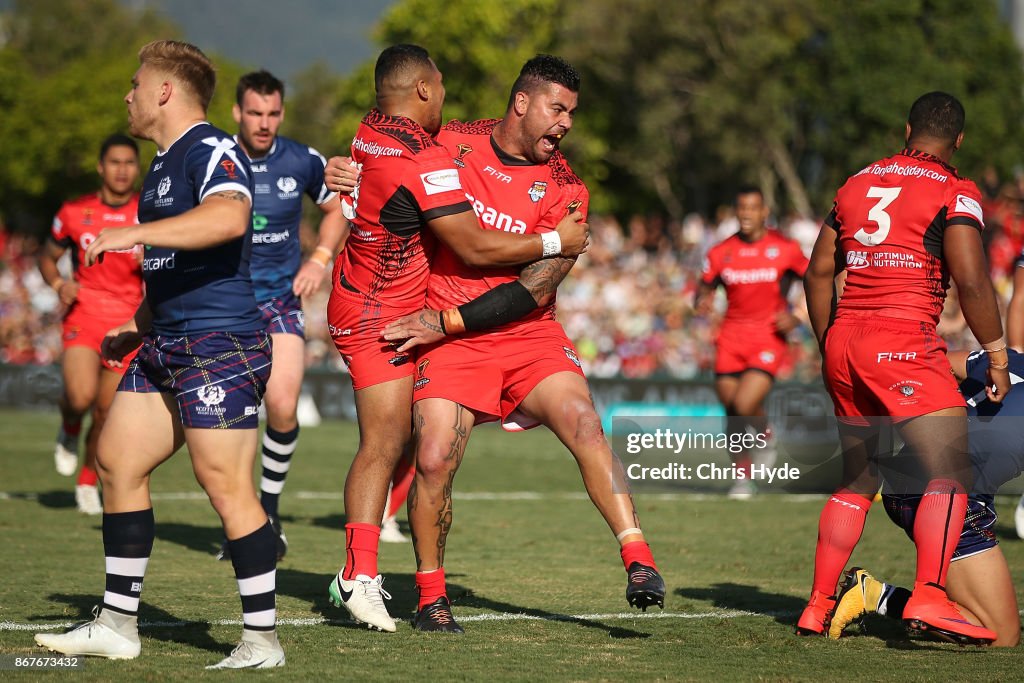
627,304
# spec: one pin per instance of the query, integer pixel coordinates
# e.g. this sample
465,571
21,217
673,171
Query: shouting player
202,369
756,266
523,370
283,170
900,227
97,298
408,182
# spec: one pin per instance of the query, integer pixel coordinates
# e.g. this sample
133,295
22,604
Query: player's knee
78,399
281,409
433,459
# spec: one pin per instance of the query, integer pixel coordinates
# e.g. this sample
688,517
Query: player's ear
166,90
236,113
521,103
959,141
906,137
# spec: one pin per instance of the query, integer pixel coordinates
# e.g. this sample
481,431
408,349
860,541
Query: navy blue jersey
289,170
203,290
995,431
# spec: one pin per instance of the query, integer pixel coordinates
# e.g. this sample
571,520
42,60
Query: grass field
534,573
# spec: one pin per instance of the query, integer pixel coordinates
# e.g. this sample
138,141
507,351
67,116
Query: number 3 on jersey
885,197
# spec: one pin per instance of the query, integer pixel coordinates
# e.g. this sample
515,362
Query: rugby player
284,170
203,366
900,227
97,298
756,266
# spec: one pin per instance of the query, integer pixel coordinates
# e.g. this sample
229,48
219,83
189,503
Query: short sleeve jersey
202,290
755,276
891,218
115,284
507,194
406,179
289,171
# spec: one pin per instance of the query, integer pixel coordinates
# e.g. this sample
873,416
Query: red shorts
84,327
744,348
881,367
491,373
356,330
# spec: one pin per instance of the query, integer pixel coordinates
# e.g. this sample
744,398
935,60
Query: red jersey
115,285
406,179
507,194
890,218
755,275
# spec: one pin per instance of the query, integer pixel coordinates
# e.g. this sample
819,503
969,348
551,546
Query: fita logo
229,168
538,190
464,149
164,187
571,355
572,206
287,184
211,395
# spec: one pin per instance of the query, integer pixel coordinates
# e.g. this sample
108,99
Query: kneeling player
979,579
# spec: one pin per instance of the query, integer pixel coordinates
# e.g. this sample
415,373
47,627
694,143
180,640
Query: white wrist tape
552,242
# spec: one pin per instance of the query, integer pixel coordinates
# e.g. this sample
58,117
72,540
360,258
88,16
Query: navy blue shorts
283,315
217,378
979,525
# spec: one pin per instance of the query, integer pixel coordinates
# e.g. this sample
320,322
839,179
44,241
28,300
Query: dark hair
544,69
184,61
937,115
261,82
749,189
118,140
396,59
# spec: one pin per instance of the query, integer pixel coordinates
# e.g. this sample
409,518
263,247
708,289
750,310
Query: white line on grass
466,618
467,495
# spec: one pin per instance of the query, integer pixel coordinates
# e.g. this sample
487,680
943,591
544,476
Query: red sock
742,463
72,429
937,527
87,476
361,541
400,483
839,528
637,551
431,587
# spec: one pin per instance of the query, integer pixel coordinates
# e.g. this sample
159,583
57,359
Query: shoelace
641,575
440,614
374,592
88,625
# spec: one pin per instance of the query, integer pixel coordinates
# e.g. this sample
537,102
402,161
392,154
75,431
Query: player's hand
786,322
119,239
341,175
998,385
309,277
119,342
574,233
416,329
68,292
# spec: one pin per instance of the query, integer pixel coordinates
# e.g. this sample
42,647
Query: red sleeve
59,231
433,180
798,262
572,197
963,205
711,270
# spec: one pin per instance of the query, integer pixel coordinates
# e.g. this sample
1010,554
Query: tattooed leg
442,430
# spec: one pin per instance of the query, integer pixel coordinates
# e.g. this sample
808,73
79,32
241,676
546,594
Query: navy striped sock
278,448
254,558
127,545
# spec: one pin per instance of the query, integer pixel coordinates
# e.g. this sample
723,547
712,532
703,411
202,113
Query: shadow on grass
202,539
156,623
57,499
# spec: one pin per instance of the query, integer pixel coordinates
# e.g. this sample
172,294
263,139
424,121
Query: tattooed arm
220,218
505,303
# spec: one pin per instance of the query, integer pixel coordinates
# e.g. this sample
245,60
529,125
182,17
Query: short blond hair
185,62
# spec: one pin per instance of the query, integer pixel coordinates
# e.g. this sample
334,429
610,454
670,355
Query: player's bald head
399,68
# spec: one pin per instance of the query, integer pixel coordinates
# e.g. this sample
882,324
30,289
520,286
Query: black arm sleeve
503,304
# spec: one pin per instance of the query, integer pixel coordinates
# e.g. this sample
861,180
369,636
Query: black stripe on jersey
401,129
